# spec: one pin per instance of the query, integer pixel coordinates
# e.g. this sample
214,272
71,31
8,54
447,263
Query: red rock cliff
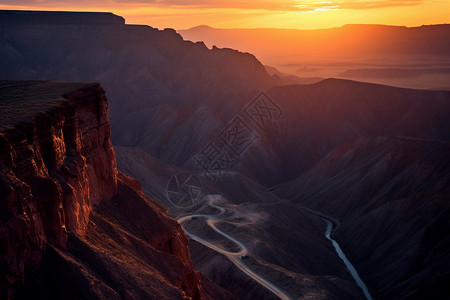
68,223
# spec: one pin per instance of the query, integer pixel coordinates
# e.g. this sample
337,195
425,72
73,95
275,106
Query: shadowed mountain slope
392,198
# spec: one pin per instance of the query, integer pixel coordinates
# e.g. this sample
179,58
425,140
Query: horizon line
226,28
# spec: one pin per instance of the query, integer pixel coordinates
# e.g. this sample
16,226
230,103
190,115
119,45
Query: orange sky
299,14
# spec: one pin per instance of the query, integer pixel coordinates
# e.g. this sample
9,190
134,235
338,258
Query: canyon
194,124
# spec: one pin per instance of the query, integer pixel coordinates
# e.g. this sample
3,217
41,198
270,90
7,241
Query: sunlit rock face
57,161
71,226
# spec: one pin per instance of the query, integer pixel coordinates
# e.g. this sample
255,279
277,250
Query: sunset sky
299,14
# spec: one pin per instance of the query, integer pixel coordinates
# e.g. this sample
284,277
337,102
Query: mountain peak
201,27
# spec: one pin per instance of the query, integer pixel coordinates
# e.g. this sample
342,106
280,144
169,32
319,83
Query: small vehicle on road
244,256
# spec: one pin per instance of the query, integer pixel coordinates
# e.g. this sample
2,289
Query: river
349,265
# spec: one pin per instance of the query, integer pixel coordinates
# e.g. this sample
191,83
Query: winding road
211,220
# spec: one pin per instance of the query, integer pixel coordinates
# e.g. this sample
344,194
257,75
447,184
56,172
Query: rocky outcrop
67,216
53,168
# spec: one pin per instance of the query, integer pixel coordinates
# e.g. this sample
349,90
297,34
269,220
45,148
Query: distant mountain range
413,57
356,39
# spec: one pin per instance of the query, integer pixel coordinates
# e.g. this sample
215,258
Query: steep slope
300,125
53,155
285,242
392,198
320,117
70,226
382,171
350,141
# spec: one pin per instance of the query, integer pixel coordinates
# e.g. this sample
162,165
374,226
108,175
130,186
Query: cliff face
63,204
53,168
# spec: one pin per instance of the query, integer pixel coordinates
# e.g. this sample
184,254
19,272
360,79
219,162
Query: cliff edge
71,226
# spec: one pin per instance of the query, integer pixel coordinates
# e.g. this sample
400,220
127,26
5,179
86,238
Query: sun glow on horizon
297,14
